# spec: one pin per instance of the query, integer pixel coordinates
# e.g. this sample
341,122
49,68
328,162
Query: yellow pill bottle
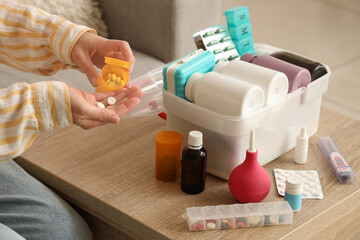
114,75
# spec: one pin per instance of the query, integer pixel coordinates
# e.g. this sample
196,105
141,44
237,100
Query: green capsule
232,57
221,59
212,43
209,34
224,39
228,48
217,51
220,30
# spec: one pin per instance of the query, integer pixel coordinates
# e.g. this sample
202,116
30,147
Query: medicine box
176,74
239,215
226,138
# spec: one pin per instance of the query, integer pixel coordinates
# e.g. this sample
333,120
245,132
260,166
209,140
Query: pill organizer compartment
241,215
211,216
195,219
226,138
227,217
285,212
256,215
271,213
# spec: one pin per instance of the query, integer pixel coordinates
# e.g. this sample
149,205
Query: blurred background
325,30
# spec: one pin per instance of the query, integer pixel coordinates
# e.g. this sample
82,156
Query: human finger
119,55
83,60
120,46
125,106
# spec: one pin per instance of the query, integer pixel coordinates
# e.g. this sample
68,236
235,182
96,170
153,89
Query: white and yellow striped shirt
35,41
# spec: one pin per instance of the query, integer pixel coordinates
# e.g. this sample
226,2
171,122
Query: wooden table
108,172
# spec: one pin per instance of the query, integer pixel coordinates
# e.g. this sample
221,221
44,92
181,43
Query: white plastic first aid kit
226,138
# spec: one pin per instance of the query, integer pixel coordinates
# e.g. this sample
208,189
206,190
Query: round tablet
100,105
111,100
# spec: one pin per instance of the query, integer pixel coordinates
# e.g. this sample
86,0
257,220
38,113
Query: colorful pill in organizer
239,215
210,223
311,182
227,217
199,225
256,215
240,221
271,213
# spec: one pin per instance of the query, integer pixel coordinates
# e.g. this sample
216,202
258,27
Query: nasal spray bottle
250,182
301,149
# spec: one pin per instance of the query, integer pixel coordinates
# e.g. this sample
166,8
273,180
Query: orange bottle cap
117,62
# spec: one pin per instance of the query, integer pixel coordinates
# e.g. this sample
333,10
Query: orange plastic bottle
114,75
168,153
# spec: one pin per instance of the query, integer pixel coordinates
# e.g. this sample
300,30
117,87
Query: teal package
238,22
237,15
245,45
177,73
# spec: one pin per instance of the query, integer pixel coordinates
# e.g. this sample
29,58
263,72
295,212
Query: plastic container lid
113,66
118,62
195,140
294,185
190,85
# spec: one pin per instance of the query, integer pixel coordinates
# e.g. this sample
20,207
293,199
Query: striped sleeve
26,110
35,41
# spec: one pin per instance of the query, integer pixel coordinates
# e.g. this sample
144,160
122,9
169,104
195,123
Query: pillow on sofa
83,12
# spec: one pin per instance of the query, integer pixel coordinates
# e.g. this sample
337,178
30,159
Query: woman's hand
87,115
91,49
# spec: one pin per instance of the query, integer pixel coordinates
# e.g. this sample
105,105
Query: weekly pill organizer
239,215
226,138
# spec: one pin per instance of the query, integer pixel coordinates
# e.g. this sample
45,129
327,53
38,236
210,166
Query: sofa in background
158,31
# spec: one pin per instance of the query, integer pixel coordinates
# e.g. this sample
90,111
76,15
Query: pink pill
240,224
193,227
200,226
211,221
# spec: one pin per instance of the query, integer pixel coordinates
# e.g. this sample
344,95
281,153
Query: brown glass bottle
316,69
193,165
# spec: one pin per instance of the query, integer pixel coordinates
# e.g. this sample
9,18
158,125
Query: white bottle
301,149
293,192
224,94
274,84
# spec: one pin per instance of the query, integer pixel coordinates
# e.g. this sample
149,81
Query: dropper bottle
301,149
250,182
193,164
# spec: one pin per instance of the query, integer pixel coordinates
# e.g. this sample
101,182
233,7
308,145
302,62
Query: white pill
254,220
100,105
272,220
211,225
111,100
